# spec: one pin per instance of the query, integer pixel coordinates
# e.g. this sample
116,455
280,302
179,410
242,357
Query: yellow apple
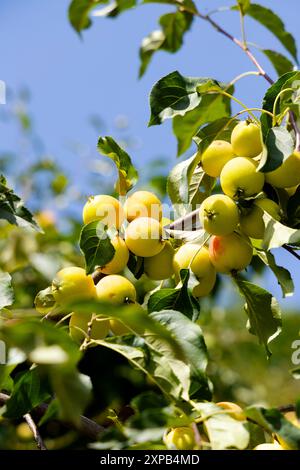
288,174
240,178
104,208
181,438
246,139
72,284
219,214
215,156
252,223
143,204
143,237
120,258
115,289
160,266
230,252
79,323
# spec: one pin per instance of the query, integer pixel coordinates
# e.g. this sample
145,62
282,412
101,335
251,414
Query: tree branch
36,434
86,426
253,59
239,43
290,250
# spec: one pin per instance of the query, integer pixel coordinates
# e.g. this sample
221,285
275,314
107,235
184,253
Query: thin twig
253,59
86,426
36,434
239,43
290,250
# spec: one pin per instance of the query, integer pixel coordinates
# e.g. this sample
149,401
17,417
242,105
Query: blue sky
71,79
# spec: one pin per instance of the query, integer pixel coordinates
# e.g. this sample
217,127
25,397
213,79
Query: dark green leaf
95,244
282,274
280,63
243,5
175,95
73,392
179,299
190,338
128,175
186,5
273,23
212,106
293,209
29,391
6,290
263,312
79,11
115,7
169,38
277,234
12,208
132,316
136,265
268,162
218,129
179,179
274,421
280,145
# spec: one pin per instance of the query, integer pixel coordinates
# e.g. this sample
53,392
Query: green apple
215,156
143,237
246,139
219,215
288,174
240,178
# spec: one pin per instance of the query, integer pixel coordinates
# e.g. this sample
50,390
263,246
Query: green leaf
179,179
187,184
200,186
274,24
212,106
275,422
280,63
150,44
73,393
186,5
244,5
189,336
95,244
6,290
263,312
79,11
280,145
29,391
169,38
218,129
282,274
268,162
133,316
13,210
277,234
28,334
293,209
179,299
128,175
175,95
223,430
115,8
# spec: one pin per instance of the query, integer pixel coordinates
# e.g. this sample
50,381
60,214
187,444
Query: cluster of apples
183,437
232,219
